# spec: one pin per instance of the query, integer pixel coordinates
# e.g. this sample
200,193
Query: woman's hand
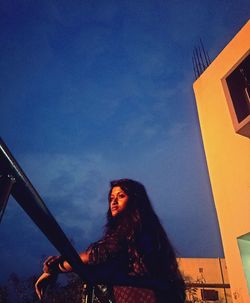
51,264
43,282
85,257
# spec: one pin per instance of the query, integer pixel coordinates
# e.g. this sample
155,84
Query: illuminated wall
227,147
206,271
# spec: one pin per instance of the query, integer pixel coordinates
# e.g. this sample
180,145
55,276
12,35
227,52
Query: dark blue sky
97,90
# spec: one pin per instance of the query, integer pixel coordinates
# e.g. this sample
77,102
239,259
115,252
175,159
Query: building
222,94
206,279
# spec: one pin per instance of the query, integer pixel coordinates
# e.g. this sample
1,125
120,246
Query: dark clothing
137,256
114,247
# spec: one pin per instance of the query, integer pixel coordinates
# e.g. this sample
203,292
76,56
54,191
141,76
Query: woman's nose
114,201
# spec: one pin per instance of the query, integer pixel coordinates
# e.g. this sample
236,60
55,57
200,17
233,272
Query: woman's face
118,200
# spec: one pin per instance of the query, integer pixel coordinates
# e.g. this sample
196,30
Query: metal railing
13,181
208,292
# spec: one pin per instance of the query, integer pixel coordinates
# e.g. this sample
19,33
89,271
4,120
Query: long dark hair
139,216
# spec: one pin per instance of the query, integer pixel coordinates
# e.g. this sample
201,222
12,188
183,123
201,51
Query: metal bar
196,63
223,281
204,53
90,293
201,59
209,60
6,183
194,67
208,285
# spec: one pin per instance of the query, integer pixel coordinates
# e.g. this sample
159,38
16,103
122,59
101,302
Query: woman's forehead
116,189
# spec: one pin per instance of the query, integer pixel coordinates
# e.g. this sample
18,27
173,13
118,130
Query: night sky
92,91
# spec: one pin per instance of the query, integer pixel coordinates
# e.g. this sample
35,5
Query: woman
134,245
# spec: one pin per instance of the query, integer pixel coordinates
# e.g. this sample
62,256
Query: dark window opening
238,83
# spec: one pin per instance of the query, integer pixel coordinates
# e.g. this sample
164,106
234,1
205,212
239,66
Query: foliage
3,294
191,292
21,290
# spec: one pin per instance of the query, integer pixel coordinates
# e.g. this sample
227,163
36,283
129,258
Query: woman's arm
66,267
108,248
56,264
51,267
43,282
105,258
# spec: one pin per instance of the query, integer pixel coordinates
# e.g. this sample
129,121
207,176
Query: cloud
59,175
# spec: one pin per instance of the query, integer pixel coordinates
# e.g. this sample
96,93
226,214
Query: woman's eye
121,196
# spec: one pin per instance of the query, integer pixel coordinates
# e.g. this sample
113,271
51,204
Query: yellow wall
228,157
214,271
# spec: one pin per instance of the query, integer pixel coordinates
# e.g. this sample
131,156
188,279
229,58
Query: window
238,97
244,246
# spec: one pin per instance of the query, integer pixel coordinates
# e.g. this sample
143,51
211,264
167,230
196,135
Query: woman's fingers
42,283
48,262
38,287
39,291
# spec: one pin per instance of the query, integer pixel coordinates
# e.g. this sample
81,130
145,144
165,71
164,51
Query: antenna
200,59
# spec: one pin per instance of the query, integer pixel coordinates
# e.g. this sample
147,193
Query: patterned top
113,247
132,254
139,256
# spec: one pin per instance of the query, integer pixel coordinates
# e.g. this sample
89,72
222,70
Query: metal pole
196,63
204,53
90,293
196,74
223,282
6,183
